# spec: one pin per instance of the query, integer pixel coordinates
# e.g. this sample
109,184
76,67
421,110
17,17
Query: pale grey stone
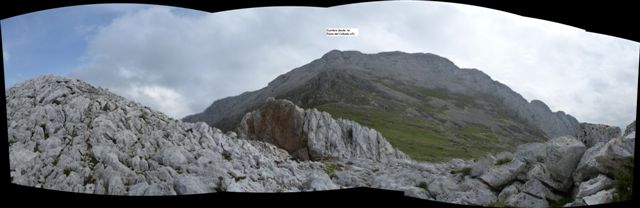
562,157
526,200
501,175
604,196
594,185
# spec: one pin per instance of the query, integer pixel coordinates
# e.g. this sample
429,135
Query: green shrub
330,168
561,202
498,203
423,185
226,155
623,182
67,171
93,162
502,161
465,171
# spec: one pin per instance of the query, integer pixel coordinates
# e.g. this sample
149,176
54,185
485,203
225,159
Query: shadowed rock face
278,123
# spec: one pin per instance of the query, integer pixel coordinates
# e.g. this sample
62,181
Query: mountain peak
338,54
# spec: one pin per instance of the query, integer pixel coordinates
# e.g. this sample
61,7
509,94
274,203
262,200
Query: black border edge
613,18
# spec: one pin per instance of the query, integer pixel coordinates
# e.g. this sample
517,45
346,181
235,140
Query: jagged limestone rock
537,189
604,196
526,200
500,175
594,185
482,165
531,152
67,135
590,134
509,191
562,157
605,158
315,135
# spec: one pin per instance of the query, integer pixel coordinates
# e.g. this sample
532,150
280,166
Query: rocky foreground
67,135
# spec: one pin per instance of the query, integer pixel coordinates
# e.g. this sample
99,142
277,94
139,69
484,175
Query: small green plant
330,168
93,162
464,171
37,148
220,189
623,183
502,161
423,185
498,203
57,102
67,171
226,155
561,202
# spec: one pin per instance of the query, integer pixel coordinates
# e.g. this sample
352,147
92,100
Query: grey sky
179,62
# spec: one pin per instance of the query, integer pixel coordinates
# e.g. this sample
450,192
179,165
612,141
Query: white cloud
161,98
201,58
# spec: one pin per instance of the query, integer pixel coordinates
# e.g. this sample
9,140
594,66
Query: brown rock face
280,124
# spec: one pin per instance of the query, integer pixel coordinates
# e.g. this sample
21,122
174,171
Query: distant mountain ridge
448,102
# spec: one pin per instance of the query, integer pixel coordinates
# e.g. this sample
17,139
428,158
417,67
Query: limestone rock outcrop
67,135
311,134
590,134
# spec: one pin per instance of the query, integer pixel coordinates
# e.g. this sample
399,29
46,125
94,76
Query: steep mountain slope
423,103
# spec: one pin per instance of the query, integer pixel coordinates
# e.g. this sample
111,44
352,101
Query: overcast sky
179,61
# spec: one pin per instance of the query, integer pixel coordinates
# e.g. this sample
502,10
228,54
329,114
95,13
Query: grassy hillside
420,138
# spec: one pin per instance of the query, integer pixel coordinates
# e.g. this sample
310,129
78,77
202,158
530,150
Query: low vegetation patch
498,203
330,168
67,171
420,138
423,185
502,161
464,171
226,155
623,183
561,202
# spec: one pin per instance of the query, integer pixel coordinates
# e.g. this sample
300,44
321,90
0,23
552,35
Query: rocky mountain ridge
460,109
424,69
67,135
